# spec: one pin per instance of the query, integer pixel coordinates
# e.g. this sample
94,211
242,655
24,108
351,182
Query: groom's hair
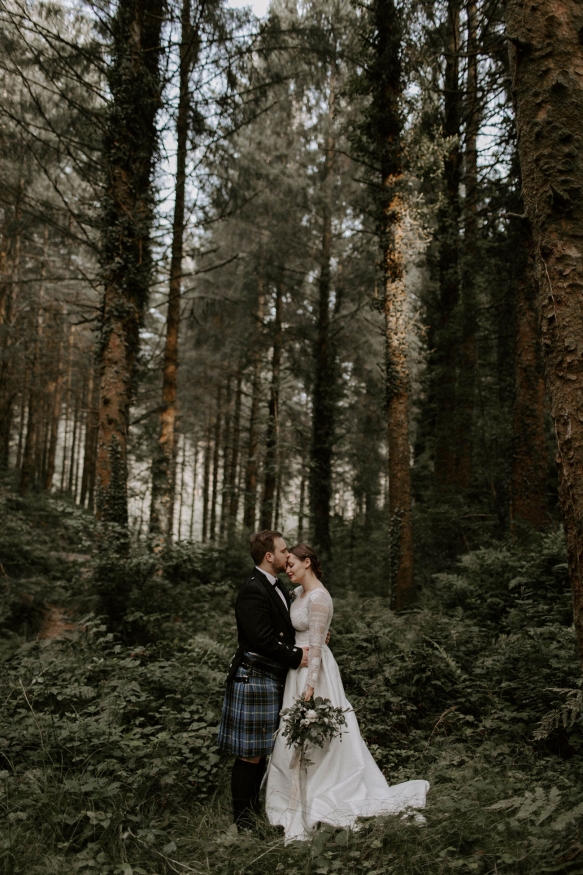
262,543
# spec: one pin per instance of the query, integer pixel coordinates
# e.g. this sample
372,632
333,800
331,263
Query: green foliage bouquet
312,722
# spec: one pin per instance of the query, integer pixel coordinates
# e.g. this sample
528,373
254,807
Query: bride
343,782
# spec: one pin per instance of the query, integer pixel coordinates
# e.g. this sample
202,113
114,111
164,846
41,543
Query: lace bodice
312,614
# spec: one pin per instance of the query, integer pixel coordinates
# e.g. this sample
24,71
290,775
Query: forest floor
107,739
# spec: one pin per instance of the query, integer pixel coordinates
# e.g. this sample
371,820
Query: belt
264,666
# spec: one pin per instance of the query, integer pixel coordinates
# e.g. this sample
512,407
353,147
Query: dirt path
57,624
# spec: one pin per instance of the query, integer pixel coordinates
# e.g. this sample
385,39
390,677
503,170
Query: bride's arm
319,618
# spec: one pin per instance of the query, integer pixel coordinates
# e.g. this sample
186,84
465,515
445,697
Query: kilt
250,713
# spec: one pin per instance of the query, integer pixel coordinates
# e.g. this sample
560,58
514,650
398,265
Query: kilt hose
250,714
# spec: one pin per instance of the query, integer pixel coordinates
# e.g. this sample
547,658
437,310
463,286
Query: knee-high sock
245,790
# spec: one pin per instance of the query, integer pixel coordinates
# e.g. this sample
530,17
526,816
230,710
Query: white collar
269,576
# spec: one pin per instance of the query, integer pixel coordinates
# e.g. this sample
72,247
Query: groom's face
280,555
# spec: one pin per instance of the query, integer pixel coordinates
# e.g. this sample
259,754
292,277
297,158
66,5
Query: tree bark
227,437
388,104
529,446
444,336
271,437
181,496
301,509
129,148
73,451
323,398
233,464
468,351
7,394
194,476
67,406
216,459
253,444
28,472
91,427
545,54
205,484
164,461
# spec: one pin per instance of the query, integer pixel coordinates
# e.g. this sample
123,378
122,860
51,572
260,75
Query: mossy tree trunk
386,126
444,339
529,446
164,460
546,39
129,149
469,265
88,478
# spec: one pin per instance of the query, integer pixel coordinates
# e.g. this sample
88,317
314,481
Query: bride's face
296,568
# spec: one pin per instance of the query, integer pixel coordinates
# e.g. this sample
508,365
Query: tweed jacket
264,625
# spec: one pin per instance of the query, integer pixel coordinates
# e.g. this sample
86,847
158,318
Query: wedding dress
344,782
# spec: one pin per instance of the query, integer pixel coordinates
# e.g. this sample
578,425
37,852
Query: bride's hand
308,694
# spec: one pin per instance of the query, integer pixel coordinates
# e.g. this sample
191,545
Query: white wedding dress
344,782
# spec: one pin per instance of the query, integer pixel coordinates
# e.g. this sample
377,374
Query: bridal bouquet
311,723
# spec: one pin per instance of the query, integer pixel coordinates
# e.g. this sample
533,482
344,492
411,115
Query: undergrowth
107,741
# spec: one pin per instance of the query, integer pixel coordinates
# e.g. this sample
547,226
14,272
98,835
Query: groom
256,678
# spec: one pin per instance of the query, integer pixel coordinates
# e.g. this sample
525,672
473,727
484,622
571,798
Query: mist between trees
276,274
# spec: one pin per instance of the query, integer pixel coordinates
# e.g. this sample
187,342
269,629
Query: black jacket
264,625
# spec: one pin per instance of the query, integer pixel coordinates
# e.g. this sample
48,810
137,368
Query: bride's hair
304,551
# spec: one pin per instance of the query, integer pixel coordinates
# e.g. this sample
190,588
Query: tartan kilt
250,714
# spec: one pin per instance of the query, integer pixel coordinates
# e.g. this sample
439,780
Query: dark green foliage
150,597
108,757
98,740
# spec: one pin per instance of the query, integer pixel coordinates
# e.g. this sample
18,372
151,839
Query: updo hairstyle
304,551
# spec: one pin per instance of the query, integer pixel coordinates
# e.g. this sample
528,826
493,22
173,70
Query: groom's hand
305,653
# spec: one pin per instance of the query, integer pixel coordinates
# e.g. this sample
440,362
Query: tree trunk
253,445
164,461
233,465
28,456
277,509
205,485
301,509
444,339
529,446
194,476
67,407
7,393
545,54
388,100
271,438
28,471
55,414
73,457
323,399
228,417
181,496
468,351
216,458
91,428
128,153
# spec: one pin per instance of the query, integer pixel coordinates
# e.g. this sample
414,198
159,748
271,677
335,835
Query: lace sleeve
320,614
